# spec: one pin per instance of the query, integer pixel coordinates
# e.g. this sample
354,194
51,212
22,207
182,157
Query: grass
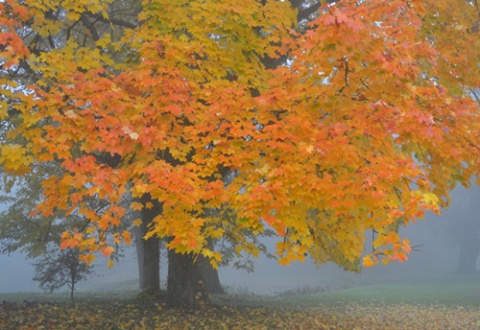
451,295
438,304
64,297
442,290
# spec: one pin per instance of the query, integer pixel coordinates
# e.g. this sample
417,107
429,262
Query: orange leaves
70,240
107,251
87,258
392,248
337,17
126,237
185,239
369,261
13,49
88,244
364,128
275,223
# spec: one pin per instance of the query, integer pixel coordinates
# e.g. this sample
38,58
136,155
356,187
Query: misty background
436,241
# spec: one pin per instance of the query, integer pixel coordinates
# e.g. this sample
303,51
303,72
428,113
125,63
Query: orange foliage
368,123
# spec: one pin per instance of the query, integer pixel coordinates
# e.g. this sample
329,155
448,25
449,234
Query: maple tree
359,117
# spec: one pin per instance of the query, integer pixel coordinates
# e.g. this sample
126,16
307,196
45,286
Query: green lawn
450,295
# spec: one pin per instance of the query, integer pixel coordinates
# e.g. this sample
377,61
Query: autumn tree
334,120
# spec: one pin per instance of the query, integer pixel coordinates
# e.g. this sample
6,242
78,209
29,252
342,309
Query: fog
436,252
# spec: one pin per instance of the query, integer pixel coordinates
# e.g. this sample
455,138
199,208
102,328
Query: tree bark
185,288
139,249
150,280
149,269
209,276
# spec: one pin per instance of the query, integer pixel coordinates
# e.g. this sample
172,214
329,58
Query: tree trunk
209,274
149,264
150,281
72,291
469,252
137,232
185,289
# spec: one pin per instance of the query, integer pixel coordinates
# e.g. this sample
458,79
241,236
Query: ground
442,304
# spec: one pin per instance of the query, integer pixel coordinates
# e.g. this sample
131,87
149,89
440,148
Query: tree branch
114,21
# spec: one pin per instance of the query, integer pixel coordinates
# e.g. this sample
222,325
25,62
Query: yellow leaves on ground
137,316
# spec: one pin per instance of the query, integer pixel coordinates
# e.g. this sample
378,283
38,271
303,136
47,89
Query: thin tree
58,268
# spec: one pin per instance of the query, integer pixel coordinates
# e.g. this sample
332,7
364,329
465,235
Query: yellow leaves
136,206
370,261
214,256
431,199
87,258
139,190
213,231
14,159
289,252
110,263
73,16
263,170
375,308
137,222
248,247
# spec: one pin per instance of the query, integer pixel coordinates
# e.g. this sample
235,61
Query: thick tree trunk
209,276
185,289
469,252
150,281
149,264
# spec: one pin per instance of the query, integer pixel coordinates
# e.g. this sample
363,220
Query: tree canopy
360,117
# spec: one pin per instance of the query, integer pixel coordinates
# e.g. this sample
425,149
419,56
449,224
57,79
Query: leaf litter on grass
135,316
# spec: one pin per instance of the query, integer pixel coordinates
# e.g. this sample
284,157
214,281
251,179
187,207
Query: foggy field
436,305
